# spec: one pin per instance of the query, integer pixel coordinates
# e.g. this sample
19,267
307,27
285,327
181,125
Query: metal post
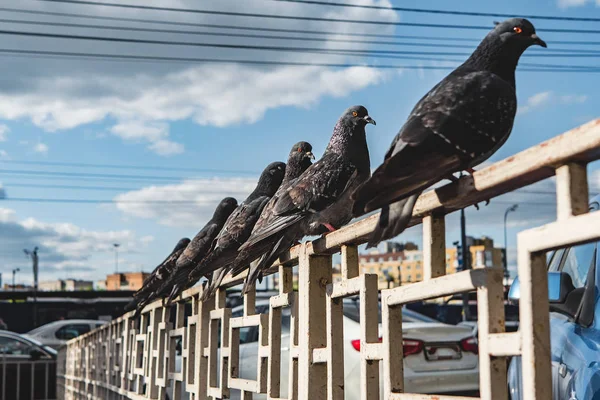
116,246
14,272
34,259
508,210
466,261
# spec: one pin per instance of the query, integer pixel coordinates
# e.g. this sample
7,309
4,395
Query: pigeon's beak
310,155
369,120
537,40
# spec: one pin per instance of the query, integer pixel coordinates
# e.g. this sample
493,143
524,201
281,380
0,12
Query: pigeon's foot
471,171
476,205
329,227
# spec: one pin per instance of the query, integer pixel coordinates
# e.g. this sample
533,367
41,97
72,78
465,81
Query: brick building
126,280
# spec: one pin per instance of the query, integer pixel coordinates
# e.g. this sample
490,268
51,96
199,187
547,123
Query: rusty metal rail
137,360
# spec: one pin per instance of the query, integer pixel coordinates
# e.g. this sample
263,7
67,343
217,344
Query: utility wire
443,12
315,50
279,37
242,35
262,29
95,201
135,58
295,17
126,166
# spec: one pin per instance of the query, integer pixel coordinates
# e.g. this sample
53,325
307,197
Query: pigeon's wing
459,123
161,272
316,189
199,246
236,231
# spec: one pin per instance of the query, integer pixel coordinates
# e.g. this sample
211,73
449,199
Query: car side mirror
560,286
35,354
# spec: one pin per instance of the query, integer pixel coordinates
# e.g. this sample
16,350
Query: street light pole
14,271
116,245
508,210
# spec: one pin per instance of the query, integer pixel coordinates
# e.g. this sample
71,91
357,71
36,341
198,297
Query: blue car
573,283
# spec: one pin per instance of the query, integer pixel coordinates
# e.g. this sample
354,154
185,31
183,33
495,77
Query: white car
57,333
439,358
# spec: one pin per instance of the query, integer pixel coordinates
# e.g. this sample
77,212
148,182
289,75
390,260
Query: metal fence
24,379
136,359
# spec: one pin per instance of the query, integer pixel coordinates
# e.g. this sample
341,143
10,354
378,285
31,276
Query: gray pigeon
239,224
196,250
460,123
147,292
297,212
298,161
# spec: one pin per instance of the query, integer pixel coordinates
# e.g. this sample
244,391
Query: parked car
57,333
27,368
439,358
573,287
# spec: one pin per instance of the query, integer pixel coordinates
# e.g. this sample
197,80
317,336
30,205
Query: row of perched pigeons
457,125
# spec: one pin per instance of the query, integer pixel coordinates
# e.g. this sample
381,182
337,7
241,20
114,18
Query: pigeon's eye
354,114
299,149
516,29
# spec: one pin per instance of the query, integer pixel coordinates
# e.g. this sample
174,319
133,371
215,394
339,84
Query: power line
126,166
295,17
95,201
135,58
443,12
263,29
94,175
242,35
313,50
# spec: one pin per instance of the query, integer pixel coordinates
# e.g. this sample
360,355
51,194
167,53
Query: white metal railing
131,359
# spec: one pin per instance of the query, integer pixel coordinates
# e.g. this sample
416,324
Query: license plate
439,352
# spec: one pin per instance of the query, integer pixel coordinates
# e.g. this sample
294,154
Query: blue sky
228,122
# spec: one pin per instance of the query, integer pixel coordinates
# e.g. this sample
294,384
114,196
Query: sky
130,137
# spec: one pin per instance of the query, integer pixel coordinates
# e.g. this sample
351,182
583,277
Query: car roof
22,337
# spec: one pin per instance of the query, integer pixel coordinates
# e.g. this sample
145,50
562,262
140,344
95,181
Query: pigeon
299,159
196,250
460,123
298,211
147,292
239,225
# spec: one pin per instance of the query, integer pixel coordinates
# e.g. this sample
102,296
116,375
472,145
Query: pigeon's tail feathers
252,276
265,262
278,225
393,220
214,284
393,181
176,291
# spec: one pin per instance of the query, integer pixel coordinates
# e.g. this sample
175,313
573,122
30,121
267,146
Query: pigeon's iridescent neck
495,56
350,142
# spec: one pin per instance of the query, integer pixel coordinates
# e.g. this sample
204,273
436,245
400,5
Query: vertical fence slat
490,309
571,190
314,275
534,323
434,246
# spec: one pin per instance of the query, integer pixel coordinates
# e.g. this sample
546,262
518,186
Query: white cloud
574,3
40,148
4,129
4,155
141,101
62,246
194,201
542,99
166,147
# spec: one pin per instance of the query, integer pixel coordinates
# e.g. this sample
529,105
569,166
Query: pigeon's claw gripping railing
127,359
